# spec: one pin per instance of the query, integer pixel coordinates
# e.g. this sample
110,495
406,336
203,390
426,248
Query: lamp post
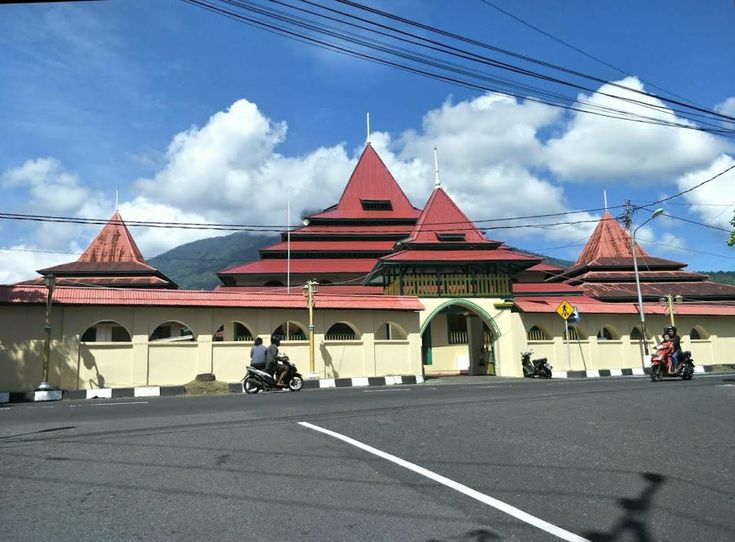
644,338
670,303
310,289
49,280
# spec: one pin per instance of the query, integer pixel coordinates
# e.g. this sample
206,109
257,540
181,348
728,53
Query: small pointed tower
111,259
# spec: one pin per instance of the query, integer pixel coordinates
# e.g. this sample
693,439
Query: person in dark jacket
271,361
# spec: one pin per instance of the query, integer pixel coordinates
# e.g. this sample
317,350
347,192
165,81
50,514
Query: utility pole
627,217
50,281
310,289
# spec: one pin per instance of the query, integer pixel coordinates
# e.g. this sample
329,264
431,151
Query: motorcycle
257,379
661,363
538,367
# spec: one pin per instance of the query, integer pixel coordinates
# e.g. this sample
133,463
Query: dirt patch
197,387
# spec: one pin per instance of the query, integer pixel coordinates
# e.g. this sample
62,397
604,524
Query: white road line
385,391
117,404
485,499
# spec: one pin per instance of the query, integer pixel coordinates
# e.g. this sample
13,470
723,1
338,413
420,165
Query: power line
580,51
421,60
522,57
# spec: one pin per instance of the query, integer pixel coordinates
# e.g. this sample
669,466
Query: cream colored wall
75,365
623,353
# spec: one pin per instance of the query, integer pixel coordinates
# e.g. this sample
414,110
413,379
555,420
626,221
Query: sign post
565,310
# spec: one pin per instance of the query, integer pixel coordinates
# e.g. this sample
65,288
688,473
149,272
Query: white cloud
50,186
19,262
229,170
594,147
727,107
714,202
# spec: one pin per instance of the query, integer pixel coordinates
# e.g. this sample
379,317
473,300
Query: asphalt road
603,459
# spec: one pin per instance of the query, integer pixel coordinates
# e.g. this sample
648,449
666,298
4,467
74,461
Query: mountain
194,265
723,277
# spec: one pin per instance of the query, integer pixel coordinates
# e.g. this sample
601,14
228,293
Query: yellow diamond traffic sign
565,310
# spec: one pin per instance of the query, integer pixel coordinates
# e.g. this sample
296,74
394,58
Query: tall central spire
437,182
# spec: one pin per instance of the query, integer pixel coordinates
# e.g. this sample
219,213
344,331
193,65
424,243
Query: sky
195,117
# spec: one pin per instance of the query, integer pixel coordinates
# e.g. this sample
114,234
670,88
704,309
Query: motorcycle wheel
688,373
548,373
296,383
657,373
250,387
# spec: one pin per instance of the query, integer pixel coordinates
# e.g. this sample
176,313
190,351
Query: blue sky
196,117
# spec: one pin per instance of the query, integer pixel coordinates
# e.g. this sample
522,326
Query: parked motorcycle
257,380
538,367
662,363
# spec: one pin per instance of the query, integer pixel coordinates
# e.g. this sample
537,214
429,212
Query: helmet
670,331
275,339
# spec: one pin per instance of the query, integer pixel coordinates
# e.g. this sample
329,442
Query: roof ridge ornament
367,141
437,182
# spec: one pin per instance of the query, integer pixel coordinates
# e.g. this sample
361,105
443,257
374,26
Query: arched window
234,331
290,331
107,331
636,335
608,333
390,332
341,332
172,332
575,334
698,333
538,334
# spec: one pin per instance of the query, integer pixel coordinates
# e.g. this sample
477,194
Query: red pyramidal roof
371,192
609,240
443,221
113,244
111,259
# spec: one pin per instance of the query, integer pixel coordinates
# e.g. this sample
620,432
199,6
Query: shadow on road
50,430
634,518
476,535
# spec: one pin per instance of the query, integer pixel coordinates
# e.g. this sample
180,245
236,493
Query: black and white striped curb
638,371
159,391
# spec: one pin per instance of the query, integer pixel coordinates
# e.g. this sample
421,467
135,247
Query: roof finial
367,141
437,184
604,195
117,199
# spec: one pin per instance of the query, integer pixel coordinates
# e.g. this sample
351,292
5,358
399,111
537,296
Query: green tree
731,242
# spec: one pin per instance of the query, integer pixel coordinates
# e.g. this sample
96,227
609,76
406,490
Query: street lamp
656,213
670,303
310,289
50,281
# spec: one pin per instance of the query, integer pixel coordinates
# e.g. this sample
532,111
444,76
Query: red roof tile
442,216
371,180
333,246
306,266
527,288
462,255
608,240
201,298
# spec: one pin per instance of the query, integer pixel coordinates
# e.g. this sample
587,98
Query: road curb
164,391
638,371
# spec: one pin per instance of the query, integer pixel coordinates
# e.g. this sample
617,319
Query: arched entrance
459,337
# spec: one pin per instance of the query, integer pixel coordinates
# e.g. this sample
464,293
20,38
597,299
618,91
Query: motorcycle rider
271,361
670,332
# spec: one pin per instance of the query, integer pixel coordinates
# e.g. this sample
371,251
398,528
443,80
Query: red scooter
662,363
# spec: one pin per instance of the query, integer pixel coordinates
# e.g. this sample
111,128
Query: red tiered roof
442,216
605,271
370,180
608,240
311,266
111,259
